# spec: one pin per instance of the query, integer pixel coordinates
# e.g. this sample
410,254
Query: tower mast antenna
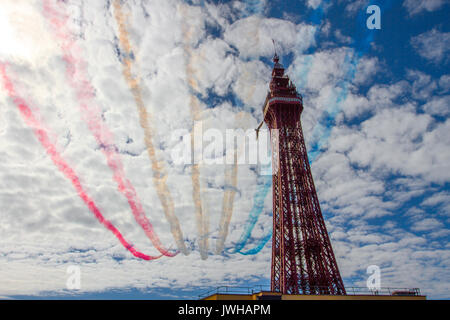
274,48
275,57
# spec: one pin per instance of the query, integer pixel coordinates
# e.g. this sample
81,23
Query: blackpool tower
303,261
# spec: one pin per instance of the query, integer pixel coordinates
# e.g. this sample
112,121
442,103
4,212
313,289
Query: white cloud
323,69
416,6
355,5
314,3
423,86
366,69
438,106
415,264
437,198
385,96
253,36
432,45
355,105
215,66
346,191
427,225
444,82
390,143
342,38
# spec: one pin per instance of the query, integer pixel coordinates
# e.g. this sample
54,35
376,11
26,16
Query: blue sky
375,120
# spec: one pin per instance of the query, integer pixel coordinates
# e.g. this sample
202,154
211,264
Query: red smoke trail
41,134
77,75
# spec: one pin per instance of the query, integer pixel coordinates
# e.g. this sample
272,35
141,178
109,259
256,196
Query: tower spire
275,56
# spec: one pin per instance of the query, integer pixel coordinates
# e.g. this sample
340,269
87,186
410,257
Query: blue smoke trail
315,19
264,185
259,246
362,46
324,127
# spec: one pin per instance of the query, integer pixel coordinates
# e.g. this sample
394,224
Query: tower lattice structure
303,261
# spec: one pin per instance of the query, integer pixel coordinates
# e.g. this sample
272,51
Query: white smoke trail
231,181
201,216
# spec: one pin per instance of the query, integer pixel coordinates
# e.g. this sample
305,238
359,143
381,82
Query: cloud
314,3
215,66
321,69
383,96
432,45
438,106
346,191
417,6
353,6
427,225
342,38
422,84
444,83
253,36
400,141
366,69
437,198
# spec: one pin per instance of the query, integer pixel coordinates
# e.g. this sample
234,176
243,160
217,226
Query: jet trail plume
231,179
77,76
159,176
42,134
258,206
323,129
228,201
201,216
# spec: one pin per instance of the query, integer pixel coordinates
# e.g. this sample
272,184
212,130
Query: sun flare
23,34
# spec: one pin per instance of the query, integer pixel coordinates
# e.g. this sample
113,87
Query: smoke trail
42,135
201,217
228,201
77,76
264,185
261,244
362,46
159,176
231,180
323,128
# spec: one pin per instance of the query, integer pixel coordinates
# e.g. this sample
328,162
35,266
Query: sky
93,94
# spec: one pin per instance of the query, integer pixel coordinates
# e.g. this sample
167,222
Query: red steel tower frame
303,261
